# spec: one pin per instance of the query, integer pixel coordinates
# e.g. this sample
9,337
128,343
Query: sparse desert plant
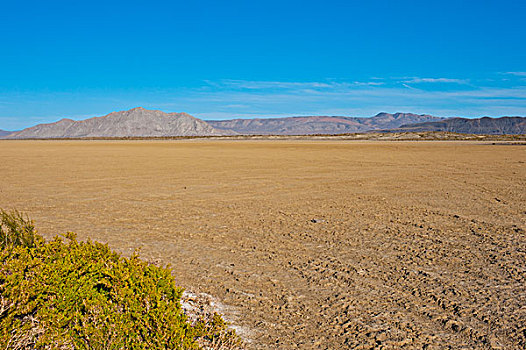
66,294
15,230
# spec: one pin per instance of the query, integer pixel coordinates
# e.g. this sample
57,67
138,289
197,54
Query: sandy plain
346,244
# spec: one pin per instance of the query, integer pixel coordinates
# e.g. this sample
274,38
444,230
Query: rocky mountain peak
136,122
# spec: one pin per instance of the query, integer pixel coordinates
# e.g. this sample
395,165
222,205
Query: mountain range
485,125
140,122
319,124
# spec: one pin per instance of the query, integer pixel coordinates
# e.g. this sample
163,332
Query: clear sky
226,59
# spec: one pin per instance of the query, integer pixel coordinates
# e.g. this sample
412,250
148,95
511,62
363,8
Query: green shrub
66,294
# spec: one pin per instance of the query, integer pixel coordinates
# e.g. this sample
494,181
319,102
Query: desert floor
305,244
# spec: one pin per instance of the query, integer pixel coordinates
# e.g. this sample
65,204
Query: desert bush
66,294
15,230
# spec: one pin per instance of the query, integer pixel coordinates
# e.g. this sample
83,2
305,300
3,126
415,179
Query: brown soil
306,244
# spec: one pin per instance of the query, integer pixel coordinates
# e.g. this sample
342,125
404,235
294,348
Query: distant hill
138,122
4,132
318,124
485,125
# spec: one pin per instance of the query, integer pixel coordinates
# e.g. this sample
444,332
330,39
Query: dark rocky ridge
485,125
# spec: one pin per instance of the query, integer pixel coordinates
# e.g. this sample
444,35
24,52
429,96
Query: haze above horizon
261,59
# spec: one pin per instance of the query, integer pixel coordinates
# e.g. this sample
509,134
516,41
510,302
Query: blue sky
226,59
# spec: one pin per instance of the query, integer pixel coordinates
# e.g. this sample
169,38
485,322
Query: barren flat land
305,244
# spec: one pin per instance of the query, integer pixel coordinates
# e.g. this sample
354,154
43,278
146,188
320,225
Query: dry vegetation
307,244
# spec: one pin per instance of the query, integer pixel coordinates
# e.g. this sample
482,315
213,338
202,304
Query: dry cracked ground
417,245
